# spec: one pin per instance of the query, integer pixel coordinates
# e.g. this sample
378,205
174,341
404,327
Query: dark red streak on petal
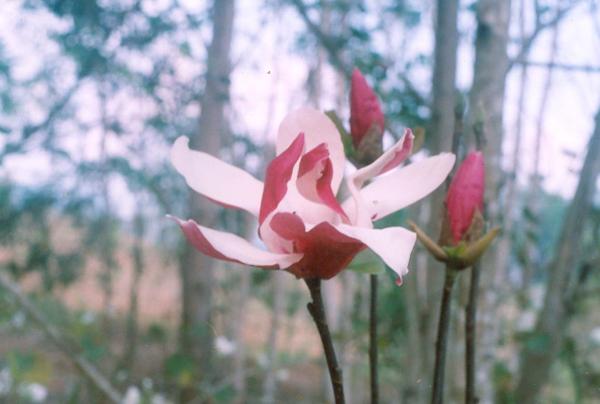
401,154
278,174
309,162
288,225
195,237
326,250
312,158
325,192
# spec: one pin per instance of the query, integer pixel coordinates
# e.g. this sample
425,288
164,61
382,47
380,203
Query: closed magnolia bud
465,195
366,118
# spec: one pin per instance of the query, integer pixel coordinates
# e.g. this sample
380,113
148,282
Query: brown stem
471,319
373,340
441,343
317,311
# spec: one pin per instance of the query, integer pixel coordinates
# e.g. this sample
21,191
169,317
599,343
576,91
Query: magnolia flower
304,228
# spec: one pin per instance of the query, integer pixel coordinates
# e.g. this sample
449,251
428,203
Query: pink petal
362,216
278,174
400,188
207,175
325,251
317,128
229,247
288,225
392,158
400,151
393,244
314,179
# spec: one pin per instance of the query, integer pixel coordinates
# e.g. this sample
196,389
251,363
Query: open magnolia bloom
305,229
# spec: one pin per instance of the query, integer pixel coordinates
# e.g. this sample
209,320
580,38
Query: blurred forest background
102,301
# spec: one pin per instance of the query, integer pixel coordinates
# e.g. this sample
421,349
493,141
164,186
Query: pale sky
269,80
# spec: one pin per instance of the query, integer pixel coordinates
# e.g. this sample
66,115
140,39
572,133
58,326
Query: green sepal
476,249
434,249
344,135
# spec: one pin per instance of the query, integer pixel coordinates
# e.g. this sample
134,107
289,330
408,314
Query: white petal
317,129
402,187
230,247
392,244
215,179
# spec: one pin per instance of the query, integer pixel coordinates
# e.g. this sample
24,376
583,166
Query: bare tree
196,270
485,115
441,130
553,319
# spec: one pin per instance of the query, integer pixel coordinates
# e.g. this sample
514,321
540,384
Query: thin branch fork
61,341
539,28
333,50
317,311
559,66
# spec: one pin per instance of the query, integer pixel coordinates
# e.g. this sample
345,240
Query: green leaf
344,135
367,262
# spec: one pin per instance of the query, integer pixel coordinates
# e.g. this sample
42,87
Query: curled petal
317,128
206,175
314,179
279,172
399,152
229,247
392,244
392,158
398,189
288,225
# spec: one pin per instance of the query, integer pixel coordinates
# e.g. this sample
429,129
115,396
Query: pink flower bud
365,111
465,195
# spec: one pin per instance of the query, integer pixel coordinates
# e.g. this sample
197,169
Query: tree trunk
196,270
552,320
484,123
129,356
535,181
441,130
505,244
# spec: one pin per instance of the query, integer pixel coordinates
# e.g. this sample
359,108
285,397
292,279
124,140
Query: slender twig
61,341
559,66
317,311
470,332
332,46
373,341
540,26
441,342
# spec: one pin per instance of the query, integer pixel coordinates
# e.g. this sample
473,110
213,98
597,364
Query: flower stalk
317,312
441,343
460,246
470,331
373,356
367,124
